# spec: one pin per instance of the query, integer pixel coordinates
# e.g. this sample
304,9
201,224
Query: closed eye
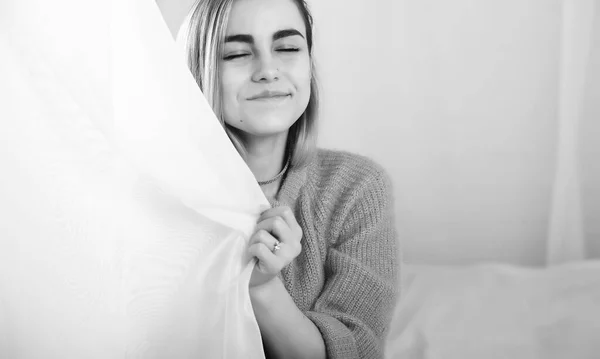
234,56
289,50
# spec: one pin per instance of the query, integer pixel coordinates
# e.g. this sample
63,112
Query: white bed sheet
498,311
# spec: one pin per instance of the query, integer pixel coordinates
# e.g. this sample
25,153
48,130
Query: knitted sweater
346,278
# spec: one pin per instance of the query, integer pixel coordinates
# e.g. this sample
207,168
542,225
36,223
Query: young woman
327,275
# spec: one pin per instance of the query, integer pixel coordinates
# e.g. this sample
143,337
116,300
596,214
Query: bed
497,311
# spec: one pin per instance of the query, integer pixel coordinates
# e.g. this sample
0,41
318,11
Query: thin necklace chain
262,183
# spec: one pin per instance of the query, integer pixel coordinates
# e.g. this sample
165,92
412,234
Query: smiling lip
268,95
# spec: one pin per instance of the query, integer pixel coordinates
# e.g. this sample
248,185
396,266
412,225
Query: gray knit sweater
346,277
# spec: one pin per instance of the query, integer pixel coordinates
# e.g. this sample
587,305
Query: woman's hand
275,243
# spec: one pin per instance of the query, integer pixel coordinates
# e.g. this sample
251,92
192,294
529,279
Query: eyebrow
240,38
276,36
286,33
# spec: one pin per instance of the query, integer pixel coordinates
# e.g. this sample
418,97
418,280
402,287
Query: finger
277,227
288,216
267,261
285,213
264,237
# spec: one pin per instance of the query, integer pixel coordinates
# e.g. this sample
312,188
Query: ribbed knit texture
346,277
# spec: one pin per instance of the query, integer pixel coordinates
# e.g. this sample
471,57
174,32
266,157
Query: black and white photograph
299,179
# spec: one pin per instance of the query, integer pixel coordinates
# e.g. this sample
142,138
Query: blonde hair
206,37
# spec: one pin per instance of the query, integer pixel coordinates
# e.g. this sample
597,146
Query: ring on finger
276,247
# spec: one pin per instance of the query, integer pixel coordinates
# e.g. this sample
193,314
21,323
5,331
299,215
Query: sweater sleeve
361,269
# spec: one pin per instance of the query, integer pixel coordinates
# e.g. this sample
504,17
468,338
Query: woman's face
265,67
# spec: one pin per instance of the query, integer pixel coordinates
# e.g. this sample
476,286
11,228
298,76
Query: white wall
457,99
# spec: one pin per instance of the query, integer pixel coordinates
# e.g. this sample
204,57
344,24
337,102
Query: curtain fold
566,237
125,210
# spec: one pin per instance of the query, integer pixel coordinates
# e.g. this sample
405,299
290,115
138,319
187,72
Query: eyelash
233,57
291,49
237,56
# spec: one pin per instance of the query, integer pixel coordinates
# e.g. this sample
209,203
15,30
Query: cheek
230,88
301,75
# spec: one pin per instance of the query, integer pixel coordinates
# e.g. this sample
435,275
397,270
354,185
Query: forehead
264,17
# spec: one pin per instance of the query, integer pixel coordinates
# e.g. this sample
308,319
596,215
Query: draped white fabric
125,211
498,311
566,235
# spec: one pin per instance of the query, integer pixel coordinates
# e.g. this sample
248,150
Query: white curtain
568,239
124,209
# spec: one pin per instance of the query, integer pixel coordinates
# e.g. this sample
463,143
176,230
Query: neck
266,158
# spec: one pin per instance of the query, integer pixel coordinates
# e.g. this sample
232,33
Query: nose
266,69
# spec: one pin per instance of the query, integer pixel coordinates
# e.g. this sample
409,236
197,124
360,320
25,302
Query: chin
266,124
268,128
